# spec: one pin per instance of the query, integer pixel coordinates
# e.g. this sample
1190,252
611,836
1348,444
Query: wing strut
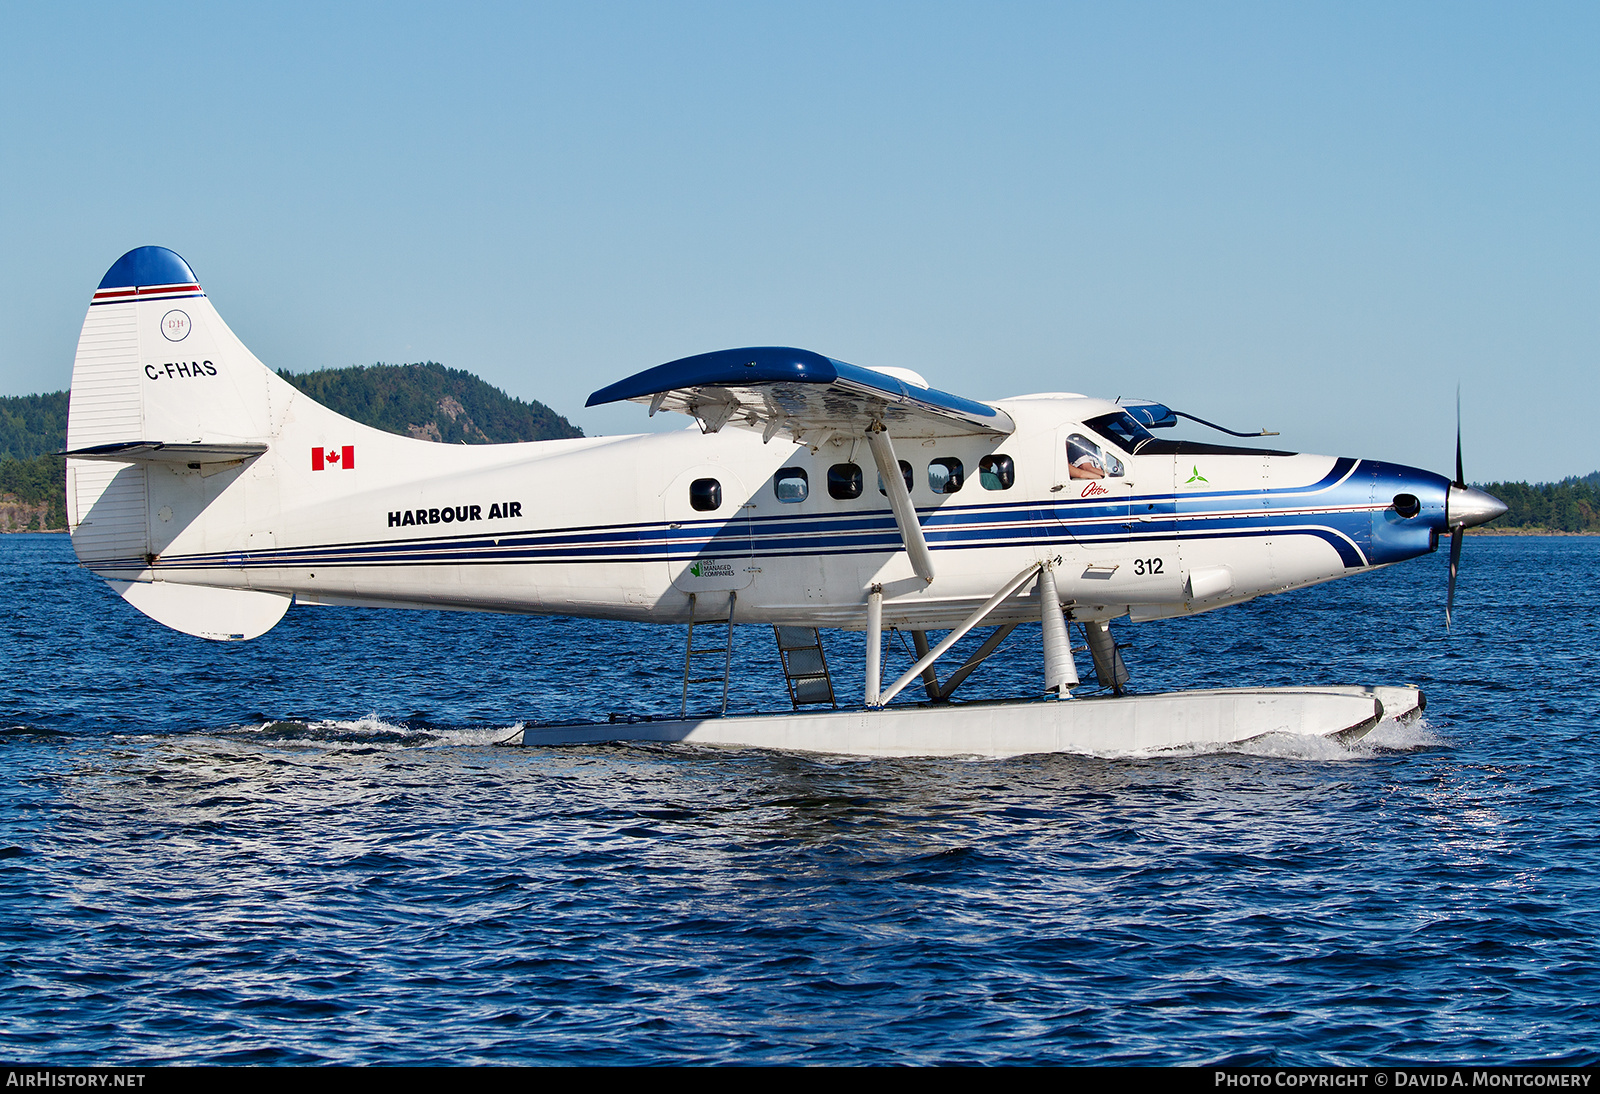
875,629
905,514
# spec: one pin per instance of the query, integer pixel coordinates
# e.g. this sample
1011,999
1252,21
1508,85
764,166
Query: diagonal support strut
956,635
979,655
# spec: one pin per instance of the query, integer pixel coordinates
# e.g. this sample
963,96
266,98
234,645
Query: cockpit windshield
1122,430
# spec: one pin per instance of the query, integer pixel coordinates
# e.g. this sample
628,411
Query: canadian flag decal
336,458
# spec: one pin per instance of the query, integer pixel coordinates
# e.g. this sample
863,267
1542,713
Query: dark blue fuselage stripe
446,554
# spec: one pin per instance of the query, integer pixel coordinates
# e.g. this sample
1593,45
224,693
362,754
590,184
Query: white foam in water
1392,736
1387,736
478,735
370,724
373,730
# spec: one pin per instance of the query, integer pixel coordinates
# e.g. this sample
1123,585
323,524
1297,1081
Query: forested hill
31,487
431,402
1571,505
32,425
423,400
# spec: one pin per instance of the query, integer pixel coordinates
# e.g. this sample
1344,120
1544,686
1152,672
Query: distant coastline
1527,532
17,515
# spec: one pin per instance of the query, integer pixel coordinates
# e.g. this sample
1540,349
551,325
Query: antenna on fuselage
1225,429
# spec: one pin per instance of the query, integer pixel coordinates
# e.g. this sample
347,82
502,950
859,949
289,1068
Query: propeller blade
1456,538
1461,479
1458,534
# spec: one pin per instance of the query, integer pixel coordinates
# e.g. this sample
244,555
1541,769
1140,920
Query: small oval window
705,495
996,472
844,481
905,473
790,484
945,475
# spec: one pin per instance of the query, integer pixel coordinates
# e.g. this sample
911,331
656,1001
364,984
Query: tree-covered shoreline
1571,505
32,479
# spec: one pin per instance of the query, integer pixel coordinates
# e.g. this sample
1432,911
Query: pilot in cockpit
1084,458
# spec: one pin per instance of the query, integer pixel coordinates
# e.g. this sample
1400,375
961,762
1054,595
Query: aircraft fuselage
608,527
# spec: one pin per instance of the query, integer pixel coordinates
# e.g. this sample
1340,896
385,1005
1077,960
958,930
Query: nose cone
1469,508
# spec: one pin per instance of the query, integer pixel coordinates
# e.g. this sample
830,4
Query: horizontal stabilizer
166,452
811,397
225,615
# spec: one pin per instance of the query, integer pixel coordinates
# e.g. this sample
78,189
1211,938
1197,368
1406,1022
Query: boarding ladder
805,666
692,651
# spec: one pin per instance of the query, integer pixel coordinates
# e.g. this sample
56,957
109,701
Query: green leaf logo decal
695,569
1195,476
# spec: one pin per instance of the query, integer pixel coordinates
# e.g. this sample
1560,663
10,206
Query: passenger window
1087,460
844,481
905,473
790,484
945,475
705,495
996,472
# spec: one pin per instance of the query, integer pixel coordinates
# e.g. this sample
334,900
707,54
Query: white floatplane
211,495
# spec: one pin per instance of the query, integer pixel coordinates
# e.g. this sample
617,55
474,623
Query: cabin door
1091,492
706,535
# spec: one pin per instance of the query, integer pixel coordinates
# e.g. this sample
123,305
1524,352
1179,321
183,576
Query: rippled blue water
307,848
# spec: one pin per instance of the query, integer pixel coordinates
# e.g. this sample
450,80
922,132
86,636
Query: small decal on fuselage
342,458
450,514
180,370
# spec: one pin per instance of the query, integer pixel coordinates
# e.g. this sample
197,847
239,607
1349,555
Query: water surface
309,848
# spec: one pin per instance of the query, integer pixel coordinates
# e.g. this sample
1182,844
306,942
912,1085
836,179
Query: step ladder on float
805,666
691,652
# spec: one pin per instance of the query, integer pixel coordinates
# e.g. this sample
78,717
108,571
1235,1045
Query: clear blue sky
1317,218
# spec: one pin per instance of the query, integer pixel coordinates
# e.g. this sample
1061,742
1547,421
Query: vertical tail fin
167,408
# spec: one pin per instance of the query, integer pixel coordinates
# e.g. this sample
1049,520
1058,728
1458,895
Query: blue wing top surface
774,388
